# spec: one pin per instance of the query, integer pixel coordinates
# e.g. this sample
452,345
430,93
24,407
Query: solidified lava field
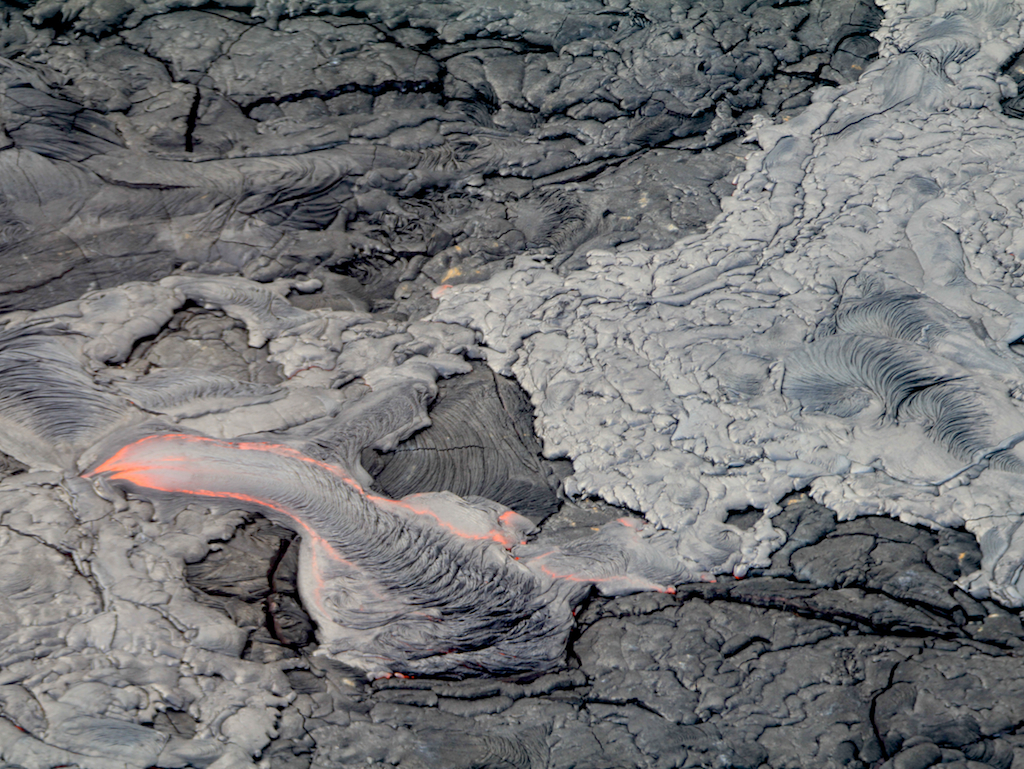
532,384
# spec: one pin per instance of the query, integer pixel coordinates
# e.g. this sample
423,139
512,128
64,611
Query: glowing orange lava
152,462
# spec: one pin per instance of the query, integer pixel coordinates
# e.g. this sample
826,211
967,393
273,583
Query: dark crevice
193,118
873,710
861,623
408,449
387,86
753,640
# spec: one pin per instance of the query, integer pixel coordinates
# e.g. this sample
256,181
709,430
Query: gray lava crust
748,270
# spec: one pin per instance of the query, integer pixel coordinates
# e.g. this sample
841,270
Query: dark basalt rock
321,201
481,443
549,132
822,658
